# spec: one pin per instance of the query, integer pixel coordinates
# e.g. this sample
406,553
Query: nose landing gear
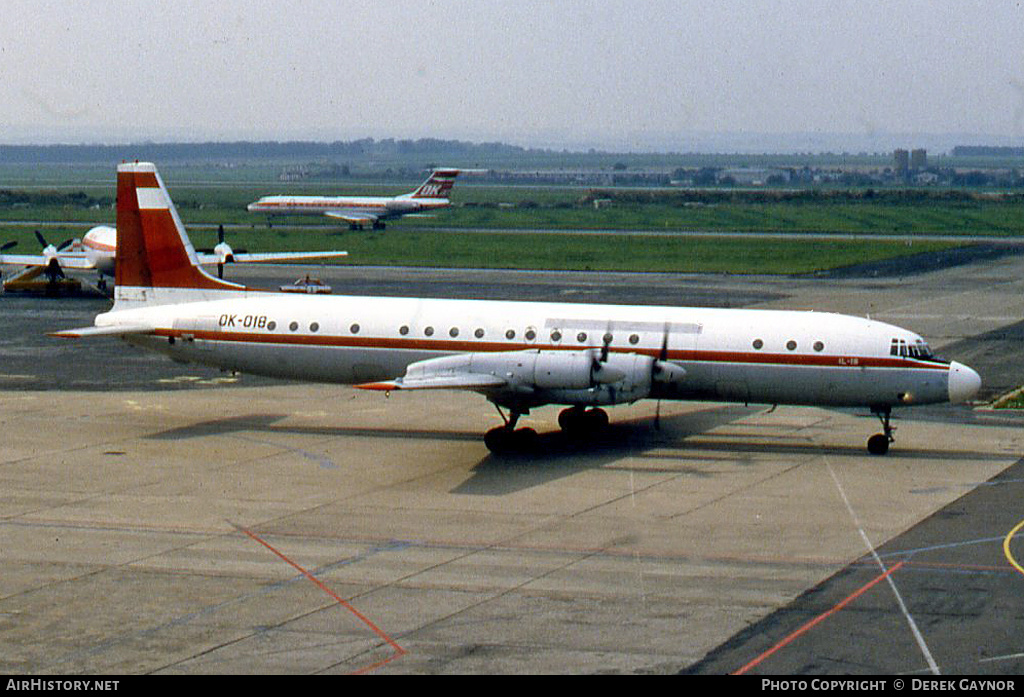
878,444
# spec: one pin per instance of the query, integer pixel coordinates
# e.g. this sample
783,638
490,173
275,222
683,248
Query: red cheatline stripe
810,625
399,651
483,346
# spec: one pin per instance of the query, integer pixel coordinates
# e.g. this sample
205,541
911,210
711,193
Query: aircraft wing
264,257
108,330
351,217
468,381
66,261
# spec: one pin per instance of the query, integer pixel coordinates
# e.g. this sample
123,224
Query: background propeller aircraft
97,251
519,355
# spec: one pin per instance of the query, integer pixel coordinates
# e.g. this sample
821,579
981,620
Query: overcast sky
635,74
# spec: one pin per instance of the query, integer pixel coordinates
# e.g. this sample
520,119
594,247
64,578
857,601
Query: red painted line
422,344
817,620
398,650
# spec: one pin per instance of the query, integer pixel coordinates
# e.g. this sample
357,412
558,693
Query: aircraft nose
964,383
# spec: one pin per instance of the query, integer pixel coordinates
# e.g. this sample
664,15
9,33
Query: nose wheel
878,444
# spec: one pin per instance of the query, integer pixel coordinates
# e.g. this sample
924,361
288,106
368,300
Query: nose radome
964,383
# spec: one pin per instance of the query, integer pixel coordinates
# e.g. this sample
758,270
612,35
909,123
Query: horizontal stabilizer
108,330
467,381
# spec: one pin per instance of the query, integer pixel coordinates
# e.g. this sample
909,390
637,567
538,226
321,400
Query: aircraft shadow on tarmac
558,455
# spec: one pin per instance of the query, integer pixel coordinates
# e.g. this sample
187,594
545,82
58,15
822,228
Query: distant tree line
76,199
987,151
246,150
685,197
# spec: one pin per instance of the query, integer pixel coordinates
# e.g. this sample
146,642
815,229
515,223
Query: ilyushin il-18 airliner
519,355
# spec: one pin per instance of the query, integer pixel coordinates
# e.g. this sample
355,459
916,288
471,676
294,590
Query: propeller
7,245
53,270
664,371
47,246
600,371
655,369
222,250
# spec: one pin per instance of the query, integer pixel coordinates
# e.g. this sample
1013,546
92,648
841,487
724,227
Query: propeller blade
8,245
42,240
53,271
662,356
220,233
65,244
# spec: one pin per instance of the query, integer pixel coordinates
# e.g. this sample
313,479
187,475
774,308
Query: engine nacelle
399,205
632,381
558,377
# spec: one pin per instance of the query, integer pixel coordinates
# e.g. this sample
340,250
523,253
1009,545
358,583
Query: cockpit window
905,349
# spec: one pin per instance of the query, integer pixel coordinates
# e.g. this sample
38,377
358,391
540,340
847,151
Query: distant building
918,159
901,162
753,176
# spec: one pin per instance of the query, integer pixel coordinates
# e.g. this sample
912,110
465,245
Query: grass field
562,251
206,198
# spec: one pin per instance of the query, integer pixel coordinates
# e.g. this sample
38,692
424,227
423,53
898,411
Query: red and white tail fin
156,262
438,185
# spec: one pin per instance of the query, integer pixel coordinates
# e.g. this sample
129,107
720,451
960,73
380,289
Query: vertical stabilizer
154,253
438,185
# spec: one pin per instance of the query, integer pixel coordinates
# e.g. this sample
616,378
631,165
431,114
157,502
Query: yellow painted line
1006,547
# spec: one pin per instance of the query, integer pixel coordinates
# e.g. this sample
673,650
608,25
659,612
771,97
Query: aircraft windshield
910,349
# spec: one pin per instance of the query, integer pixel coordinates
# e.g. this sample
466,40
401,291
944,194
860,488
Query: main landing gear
579,421
575,421
508,439
878,444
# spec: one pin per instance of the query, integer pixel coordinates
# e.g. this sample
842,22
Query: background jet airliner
519,355
97,251
362,210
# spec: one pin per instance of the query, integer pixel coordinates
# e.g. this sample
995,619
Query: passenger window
479,333
354,328
314,327
758,344
453,332
581,337
791,345
634,338
429,331
819,346
510,334
403,330
293,326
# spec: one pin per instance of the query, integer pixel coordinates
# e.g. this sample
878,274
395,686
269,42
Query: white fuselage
100,247
759,356
378,207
